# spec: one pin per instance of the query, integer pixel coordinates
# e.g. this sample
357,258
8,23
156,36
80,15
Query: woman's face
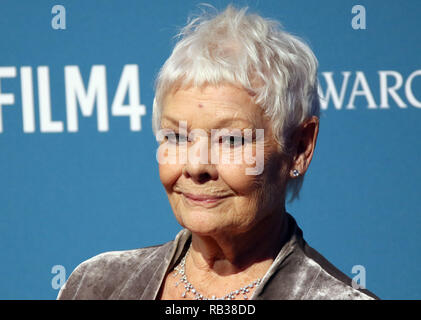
213,195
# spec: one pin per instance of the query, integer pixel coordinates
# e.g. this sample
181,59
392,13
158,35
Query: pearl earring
295,172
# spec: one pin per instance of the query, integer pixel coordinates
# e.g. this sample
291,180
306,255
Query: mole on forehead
200,105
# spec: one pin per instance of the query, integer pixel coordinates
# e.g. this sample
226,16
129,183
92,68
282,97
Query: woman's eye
233,141
175,138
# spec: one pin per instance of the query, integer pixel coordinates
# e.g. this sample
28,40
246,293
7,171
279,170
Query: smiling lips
203,200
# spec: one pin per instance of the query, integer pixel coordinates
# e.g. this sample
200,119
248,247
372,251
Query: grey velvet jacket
298,272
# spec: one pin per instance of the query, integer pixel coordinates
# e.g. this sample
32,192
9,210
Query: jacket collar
284,266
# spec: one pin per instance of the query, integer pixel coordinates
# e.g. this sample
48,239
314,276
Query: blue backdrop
67,194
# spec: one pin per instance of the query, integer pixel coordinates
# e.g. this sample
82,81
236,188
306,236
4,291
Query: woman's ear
304,141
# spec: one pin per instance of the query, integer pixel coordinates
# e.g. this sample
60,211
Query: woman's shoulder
111,275
329,282
301,272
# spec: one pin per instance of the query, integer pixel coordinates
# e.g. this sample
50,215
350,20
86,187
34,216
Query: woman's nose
199,166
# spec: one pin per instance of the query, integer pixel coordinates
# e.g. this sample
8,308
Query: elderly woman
236,113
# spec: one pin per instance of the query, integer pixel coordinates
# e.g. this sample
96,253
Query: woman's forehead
223,105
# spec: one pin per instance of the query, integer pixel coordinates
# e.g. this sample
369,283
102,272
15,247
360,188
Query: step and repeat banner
78,169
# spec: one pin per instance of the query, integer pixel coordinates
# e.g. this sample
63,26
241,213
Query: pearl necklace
188,287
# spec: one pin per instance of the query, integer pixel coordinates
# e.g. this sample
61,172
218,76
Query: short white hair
253,52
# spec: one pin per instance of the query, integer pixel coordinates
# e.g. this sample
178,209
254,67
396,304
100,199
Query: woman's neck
227,254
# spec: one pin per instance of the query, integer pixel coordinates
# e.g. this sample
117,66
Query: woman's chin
202,223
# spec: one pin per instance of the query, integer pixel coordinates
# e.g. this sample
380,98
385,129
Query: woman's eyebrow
169,119
234,122
219,123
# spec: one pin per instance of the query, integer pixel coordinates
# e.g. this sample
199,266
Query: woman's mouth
202,199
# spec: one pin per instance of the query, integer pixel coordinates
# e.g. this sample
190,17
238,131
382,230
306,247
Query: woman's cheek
236,178
169,174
